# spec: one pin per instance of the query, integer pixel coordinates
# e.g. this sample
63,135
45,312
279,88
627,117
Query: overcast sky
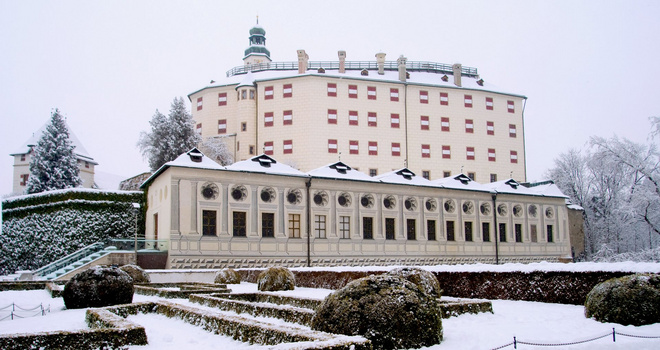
587,67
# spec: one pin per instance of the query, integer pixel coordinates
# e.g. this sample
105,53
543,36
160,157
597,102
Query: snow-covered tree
170,136
216,149
53,165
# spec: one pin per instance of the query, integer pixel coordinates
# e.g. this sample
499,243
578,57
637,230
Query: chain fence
612,334
15,311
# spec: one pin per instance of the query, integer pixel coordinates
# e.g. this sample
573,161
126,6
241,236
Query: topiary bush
227,276
137,273
98,286
391,311
425,280
276,278
628,300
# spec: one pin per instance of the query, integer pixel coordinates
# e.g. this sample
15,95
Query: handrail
411,66
67,260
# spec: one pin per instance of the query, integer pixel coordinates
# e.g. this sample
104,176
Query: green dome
257,30
257,49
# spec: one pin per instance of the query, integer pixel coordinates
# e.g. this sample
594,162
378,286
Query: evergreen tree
170,136
53,165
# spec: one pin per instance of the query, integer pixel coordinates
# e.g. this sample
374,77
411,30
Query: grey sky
587,67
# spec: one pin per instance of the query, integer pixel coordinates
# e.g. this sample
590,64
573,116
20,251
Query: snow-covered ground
528,321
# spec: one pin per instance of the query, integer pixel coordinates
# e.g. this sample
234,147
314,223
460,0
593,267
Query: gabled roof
340,171
191,159
78,149
547,189
509,186
460,182
265,165
404,177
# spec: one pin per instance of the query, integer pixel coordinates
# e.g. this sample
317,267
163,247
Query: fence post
515,343
613,335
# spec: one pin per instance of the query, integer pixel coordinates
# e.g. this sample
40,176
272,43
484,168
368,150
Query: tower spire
257,52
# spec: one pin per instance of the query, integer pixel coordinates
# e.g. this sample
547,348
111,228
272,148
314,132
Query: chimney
302,61
342,61
380,59
402,68
457,68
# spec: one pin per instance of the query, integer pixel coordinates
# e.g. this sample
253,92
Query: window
367,228
517,228
239,223
485,231
373,148
426,174
426,151
199,129
411,229
493,177
332,146
352,91
490,128
444,124
469,153
352,118
510,106
394,120
502,232
243,126
472,176
156,226
332,116
424,120
423,97
396,149
430,230
344,227
489,103
222,99
319,226
200,103
243,94
222,126
394,94
372,119
468,231
549,232
268,93
446,152
287,146
22,157
294,225
267,225
268,119
514,157
491,154
389,228
238,146
87,165
371,92
353,147
287,90
533,233
332,89
512,130
287,118
468,101
450,230
268,148
444,99
24,179
446,173
373,172
469,126
251,94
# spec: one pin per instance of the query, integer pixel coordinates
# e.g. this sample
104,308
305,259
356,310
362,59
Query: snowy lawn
528,321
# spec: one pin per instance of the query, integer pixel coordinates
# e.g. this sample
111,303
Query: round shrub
628,300
276,278
137,273
388,310
425,280
227,276
98,286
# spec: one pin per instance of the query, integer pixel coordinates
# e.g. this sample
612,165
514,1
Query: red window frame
287,117
24,179
395,120
444,124
446,152
371,92
396,149
426,151
268,148
372,119
469,153
490,128
332,146
394,94
489,103
424,97
467,99
469,126
222,99
424,122
287,90
373,148
492,155
512,131
222,126
514,157
511,106
352,118
332,116
200,103
332,89
287,146
353,147
352,91
199,128
444,99
268,93
269,119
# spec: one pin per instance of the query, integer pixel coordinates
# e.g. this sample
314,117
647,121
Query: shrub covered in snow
627,300
228,276
138,275
425,280
276,278
388,310
98,286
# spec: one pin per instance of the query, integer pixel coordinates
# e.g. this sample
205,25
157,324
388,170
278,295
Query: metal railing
142,244
69,259
411,66
613,334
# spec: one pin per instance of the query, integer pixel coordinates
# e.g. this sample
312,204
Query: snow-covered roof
340,171
265,165
404,177
548,190
79,149
107,181
460,182
191,159
509,186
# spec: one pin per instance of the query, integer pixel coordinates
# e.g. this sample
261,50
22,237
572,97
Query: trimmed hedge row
50,197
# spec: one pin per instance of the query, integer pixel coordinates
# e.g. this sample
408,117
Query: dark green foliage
227,276
629,300
276,278
425,280
98,286
137,274
388,310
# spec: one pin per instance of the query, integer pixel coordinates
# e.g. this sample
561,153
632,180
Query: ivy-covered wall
41,228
